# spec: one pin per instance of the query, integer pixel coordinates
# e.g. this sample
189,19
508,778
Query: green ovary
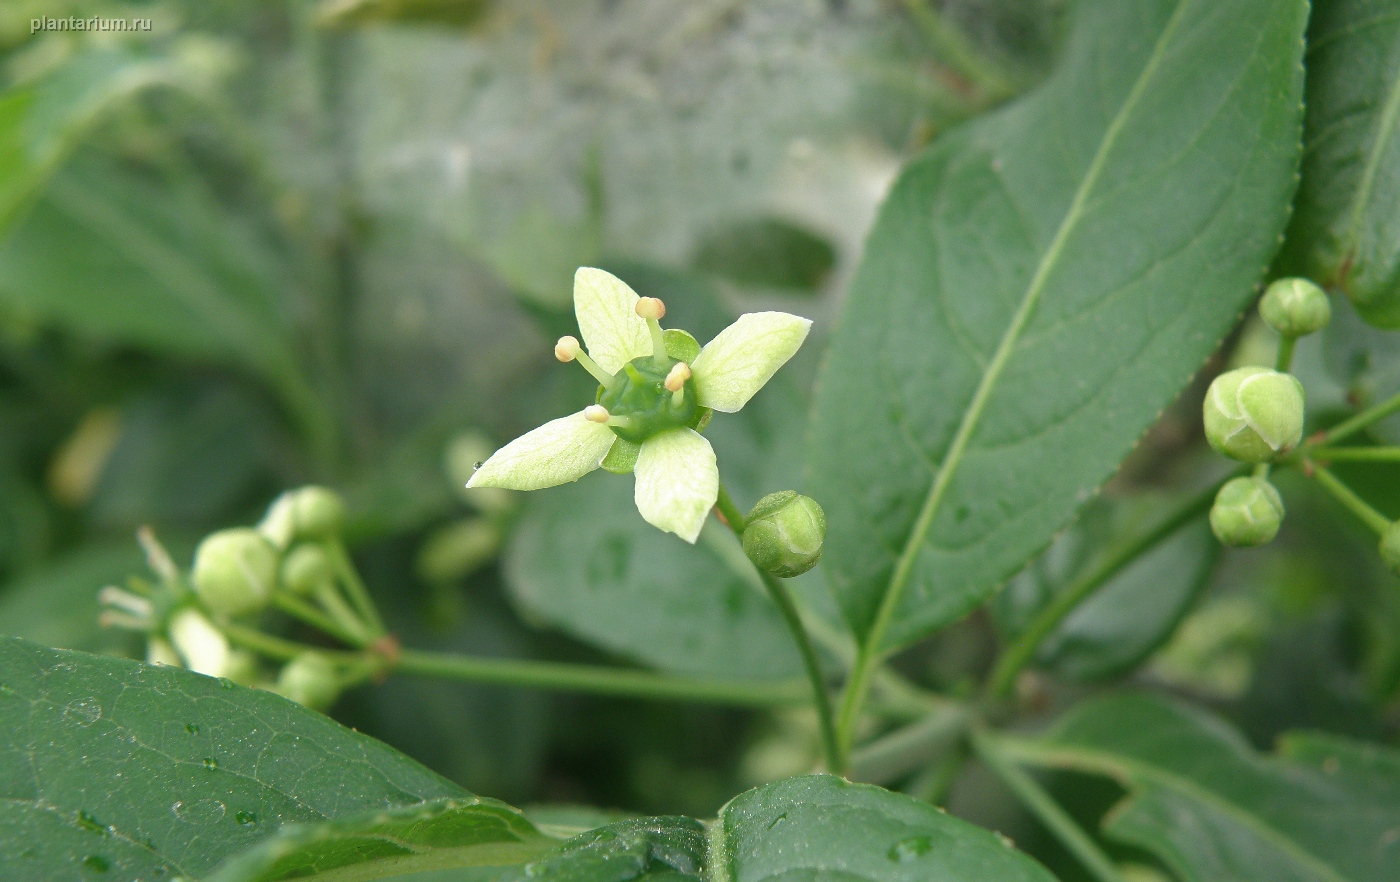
641,399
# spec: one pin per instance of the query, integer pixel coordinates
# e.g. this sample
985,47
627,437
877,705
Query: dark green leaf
152,772
815,827
1344,230
443,833
583,560
1039,285
42,122
653,849
767,252
1207,804
120,258
820,827
1129,616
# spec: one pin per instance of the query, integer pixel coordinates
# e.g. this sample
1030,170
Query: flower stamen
596,413
652,309
568,349
675,382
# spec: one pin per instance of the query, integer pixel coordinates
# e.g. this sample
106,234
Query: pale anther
596,413
566,349
675,380
651,308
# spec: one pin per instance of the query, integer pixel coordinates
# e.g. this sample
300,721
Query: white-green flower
657,390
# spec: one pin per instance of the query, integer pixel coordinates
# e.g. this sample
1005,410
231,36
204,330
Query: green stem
277,648
599,680
561,676
932,784
956,51
305,612
1017,655
1355,454
330,599
1348,498
783,598
730,511
896,754
1284,360
1044,807
1366,418
355,587
792,618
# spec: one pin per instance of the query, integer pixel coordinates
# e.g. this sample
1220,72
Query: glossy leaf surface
1039,285
150,773
1212,808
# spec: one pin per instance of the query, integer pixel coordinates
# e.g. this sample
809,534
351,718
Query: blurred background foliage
274,242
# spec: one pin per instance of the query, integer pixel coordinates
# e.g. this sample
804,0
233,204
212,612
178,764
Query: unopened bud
309,679
1295,307
1390,546
304,513
235,571
1247,512
1253,414
305,568
784,533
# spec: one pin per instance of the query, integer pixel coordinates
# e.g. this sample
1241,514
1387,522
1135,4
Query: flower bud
304,513
783,535
1295,307
305,568
1390,546
235,571
1247,512
309,679
458,550
1253,414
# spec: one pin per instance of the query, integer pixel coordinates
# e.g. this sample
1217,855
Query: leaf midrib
1384,132
1125,771
972,416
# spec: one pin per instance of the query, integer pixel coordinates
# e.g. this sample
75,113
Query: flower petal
745,355
558,452
677,482
607,316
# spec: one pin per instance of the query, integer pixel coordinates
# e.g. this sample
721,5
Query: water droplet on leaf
192,728
210,763
910,849
778,820
245,819
97,863
83,711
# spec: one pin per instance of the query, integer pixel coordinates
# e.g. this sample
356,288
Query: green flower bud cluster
308,514
1247,512
236,571
784,534
1253,414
